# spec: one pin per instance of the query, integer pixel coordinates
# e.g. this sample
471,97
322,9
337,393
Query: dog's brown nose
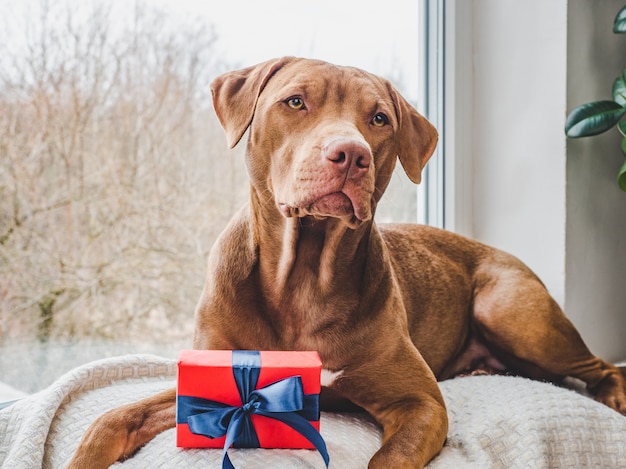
348,154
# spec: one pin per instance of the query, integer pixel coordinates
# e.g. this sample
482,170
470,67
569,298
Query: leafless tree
113,179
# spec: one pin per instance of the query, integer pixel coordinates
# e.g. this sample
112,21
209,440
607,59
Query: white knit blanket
495,422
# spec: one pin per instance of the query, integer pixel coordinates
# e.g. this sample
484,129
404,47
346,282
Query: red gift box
208,377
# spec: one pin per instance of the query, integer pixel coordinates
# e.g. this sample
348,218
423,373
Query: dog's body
390,309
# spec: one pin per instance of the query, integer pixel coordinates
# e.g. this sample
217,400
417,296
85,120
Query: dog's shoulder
234,253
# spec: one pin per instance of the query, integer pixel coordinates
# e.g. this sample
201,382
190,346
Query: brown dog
304,267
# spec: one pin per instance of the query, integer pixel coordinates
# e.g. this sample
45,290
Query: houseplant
599,116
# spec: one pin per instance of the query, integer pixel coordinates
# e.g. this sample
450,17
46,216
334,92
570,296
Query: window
114,174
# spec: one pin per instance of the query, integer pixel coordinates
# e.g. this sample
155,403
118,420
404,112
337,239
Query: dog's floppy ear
417,138
235,95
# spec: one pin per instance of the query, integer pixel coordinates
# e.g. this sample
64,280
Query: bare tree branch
113,175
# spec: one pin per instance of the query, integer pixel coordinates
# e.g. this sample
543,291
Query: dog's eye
295,103
380,120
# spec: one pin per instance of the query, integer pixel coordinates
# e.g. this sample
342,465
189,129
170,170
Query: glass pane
115,178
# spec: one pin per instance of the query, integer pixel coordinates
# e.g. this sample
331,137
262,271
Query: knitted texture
495,422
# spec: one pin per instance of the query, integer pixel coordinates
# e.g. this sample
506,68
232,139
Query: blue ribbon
284,401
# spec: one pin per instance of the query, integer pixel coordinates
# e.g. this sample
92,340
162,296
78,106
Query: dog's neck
305,249
328,248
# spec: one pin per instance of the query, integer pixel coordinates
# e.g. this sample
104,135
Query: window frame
444,198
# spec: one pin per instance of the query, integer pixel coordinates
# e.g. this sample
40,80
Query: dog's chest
304,319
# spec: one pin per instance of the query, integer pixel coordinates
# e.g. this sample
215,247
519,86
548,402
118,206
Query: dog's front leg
413,433
402,394
120,432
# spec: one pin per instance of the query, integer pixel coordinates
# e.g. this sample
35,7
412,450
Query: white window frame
444,198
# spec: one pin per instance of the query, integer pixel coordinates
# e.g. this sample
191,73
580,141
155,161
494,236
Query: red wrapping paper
208,374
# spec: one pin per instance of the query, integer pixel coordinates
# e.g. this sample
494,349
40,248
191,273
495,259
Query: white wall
552,202
518,144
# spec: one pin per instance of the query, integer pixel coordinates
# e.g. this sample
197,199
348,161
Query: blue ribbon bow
284,401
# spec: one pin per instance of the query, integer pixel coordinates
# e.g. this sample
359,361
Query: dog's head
323,139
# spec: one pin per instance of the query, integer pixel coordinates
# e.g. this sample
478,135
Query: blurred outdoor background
115,178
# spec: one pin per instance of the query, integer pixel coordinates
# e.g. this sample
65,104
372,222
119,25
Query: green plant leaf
621,177
619,26
624,146
622,129
593,118
619,89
